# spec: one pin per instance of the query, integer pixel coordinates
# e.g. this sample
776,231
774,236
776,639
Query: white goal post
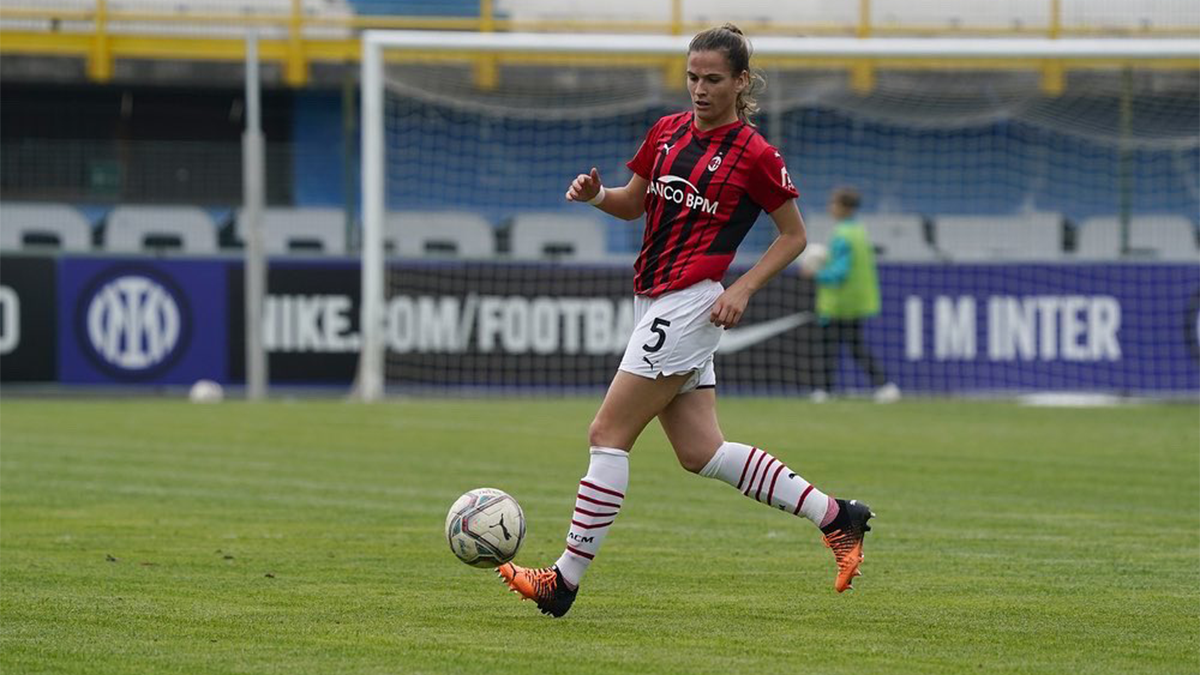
371,373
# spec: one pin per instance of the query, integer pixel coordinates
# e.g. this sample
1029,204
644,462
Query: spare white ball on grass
206,391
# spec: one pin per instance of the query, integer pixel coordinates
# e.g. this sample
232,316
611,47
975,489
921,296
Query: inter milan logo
133,324
715,163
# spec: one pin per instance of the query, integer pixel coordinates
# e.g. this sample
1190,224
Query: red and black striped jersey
706,190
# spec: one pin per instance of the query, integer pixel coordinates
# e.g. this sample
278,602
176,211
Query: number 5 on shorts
657,328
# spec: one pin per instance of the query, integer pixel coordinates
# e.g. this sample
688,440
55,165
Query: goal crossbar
666,45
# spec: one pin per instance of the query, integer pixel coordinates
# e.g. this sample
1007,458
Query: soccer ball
485,527
813,258
206,391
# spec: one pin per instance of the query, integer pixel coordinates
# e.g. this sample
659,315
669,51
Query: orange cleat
844,536
545,586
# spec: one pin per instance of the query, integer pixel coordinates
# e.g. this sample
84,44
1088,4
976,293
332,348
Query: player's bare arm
729,307
626,203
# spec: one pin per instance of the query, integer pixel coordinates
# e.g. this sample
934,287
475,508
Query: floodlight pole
252,207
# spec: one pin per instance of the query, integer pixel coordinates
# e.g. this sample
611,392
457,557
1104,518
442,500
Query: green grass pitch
162,537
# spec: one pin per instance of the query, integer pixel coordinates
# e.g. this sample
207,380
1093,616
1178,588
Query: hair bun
732,28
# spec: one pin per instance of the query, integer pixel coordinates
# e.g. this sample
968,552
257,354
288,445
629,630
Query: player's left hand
728,309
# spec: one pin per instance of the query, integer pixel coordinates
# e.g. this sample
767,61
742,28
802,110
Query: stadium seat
140,229
1030,237
43,225
899,236
304,230
439,234
1098,239
1164,237
558,236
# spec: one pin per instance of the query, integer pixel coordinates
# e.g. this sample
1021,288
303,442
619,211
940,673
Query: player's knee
697,453
600,434
692,461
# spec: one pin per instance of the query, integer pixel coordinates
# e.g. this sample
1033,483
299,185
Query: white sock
601,493
767,480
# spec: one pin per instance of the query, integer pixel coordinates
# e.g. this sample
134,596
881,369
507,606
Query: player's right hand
585,187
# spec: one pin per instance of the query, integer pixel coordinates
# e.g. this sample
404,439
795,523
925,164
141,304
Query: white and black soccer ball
485,527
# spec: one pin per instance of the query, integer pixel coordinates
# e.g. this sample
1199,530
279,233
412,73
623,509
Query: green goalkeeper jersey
848,286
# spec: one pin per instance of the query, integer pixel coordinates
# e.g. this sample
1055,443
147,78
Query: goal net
1032,204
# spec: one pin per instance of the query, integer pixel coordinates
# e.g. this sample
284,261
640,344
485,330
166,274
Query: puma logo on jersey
715,163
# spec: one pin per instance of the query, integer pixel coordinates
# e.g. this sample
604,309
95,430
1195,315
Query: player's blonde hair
730,39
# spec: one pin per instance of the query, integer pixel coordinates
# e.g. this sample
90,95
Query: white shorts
672,335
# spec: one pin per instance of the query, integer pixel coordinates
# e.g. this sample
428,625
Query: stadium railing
298,33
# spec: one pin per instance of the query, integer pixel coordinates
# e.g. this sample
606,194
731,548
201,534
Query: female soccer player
701,178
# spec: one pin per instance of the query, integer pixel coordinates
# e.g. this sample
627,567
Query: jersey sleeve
769,183
643,162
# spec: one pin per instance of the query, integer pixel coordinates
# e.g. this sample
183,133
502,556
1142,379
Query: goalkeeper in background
847,295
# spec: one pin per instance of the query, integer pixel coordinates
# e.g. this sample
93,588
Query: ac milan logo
715,163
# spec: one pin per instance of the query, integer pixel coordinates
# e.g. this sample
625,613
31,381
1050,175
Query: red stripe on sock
604,490
581,554
771,492
766,469
744,468
593,514
596,501
755,473
803,496
592,526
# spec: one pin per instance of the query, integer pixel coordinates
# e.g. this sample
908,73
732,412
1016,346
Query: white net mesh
1025,241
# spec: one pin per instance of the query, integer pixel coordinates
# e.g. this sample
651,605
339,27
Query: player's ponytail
730,39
